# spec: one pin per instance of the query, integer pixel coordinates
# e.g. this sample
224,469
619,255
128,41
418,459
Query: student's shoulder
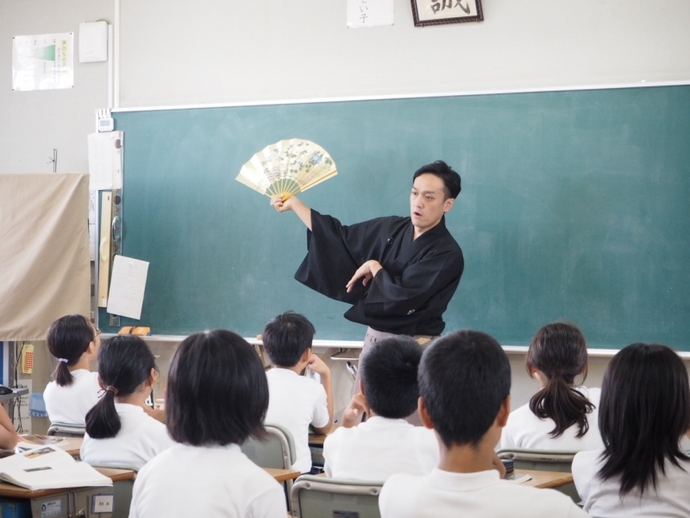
586,461
538,502
399,483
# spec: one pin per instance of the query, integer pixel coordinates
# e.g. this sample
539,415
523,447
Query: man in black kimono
398,273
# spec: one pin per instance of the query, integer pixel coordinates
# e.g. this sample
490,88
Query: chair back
276,451
66,430
320,497
542,460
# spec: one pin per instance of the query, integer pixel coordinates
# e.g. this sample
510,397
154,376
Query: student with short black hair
561,415
119,431
464,385
296,402
643,416
74,341
217,397
385,443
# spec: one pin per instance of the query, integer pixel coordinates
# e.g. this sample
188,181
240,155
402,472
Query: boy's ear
306,355
503,412
361,387
424,414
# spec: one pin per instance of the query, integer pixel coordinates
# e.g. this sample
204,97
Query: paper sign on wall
369,13
43,62
127,286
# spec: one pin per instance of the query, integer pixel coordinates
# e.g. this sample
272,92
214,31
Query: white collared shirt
601,498
69,404
141,438
295,402
209,482
378,448
478,495
526,430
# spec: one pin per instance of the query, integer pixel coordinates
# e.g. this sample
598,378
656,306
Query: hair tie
63,360
112,389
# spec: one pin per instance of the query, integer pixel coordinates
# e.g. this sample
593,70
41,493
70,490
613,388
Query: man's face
427,202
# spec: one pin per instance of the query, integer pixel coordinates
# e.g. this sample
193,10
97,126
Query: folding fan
287,168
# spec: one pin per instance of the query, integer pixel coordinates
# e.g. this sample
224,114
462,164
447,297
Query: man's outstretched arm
294,204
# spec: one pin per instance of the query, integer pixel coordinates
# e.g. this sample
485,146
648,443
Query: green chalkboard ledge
321,345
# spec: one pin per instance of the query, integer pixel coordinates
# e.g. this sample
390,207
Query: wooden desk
11,491
546,479
71,445
316,439
282,475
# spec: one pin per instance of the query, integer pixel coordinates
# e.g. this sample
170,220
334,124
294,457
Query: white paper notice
369,13
127,286
43,62
105,160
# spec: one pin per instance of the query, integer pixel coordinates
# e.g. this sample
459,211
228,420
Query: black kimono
412,291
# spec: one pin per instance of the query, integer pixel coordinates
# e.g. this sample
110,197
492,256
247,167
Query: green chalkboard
575,205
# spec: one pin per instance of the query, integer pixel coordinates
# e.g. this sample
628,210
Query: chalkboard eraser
135,330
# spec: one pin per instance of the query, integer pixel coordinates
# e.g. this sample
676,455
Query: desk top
71,445
545,479
316,439
12,491
281,475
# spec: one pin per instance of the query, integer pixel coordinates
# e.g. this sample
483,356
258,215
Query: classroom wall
271,50
32,124
220,52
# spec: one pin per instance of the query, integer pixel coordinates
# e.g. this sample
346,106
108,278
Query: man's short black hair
286,337
451,179
464,377
217,390
389,375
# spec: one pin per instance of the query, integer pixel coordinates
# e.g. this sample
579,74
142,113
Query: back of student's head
68,338
560,352
643,414
389,374
464,377
451,179
124,364
286,337
217,390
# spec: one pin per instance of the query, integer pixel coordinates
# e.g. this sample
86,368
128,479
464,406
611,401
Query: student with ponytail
74,341
644,415
561,415
119,431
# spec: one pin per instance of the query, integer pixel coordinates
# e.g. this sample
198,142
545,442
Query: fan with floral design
287,167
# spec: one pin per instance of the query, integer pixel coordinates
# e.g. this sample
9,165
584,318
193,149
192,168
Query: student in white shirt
217,396
561,415
119,430
464,387
385,443
643,416
74,342
295,401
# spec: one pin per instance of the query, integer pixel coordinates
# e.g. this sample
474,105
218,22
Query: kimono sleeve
419,283
330,261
